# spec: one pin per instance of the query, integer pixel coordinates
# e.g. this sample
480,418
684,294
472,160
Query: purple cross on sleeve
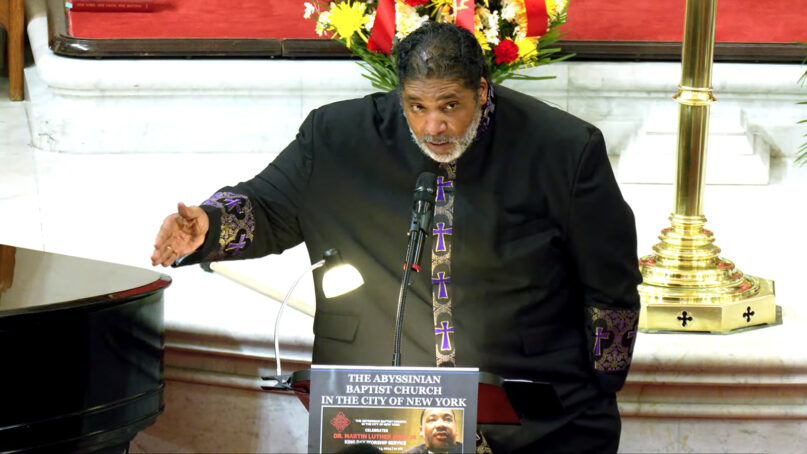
231,203
599,334
241,244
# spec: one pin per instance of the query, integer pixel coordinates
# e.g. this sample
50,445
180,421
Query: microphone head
426,187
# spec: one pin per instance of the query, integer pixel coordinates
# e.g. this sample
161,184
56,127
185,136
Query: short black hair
423,413
441,51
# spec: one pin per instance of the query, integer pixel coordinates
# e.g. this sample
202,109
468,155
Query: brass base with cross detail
689,287
686,285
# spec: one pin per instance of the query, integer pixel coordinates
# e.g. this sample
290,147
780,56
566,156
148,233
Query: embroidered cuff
612,334
237,222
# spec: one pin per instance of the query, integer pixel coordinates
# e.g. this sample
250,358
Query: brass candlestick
687,286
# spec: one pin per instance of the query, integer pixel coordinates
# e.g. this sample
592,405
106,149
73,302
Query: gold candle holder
687,286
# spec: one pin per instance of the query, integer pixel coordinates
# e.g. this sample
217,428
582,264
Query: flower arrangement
513,34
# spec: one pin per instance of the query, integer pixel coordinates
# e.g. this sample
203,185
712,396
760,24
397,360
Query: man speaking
530,272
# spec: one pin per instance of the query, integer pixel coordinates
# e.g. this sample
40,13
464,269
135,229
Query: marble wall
210,105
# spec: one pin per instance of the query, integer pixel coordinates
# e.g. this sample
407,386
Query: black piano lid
45,282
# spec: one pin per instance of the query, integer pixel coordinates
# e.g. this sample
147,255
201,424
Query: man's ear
483,91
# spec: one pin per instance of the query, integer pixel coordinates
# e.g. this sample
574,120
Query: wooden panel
7,261
12,18
62,43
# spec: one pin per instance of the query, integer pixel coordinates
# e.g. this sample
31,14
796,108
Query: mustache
438,139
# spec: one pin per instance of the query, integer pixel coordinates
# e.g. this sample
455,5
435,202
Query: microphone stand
415,245
420,222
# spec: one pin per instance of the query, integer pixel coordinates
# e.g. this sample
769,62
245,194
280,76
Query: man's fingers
164,233
166,242
155,257
170,257
165,256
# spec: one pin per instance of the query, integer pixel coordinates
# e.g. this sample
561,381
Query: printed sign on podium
394,409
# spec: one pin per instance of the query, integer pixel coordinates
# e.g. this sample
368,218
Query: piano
81,352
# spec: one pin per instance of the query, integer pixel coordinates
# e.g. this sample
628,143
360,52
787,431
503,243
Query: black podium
81,343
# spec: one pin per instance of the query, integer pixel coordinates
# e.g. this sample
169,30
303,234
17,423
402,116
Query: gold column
687,286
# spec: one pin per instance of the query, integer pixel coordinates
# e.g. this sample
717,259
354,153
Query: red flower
416,2
506,52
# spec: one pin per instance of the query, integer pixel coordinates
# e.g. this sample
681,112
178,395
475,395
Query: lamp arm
246,281
319,264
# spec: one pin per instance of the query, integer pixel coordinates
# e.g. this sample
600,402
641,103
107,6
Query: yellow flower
347,19
527,48
554,7
483,42
447,15
521,14
551,6
444,9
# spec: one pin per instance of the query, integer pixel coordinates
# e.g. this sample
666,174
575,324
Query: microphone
422,210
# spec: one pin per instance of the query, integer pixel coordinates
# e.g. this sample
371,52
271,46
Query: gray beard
460,145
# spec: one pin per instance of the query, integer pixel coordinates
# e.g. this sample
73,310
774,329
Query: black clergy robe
544,267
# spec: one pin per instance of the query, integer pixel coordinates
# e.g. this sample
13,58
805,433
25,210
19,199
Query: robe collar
487,113
473,162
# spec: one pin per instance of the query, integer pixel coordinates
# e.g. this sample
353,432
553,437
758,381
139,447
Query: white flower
492,36
559,6
324,17
491,27
518,33
309,10
369,25
493,20
407,19
509,10
322,23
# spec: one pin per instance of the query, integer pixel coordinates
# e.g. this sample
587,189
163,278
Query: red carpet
597,20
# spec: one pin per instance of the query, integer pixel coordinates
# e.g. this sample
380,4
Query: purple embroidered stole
442,229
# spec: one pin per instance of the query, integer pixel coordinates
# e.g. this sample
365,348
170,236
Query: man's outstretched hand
181,233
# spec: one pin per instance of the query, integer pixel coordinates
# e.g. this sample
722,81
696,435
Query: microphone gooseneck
422,210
